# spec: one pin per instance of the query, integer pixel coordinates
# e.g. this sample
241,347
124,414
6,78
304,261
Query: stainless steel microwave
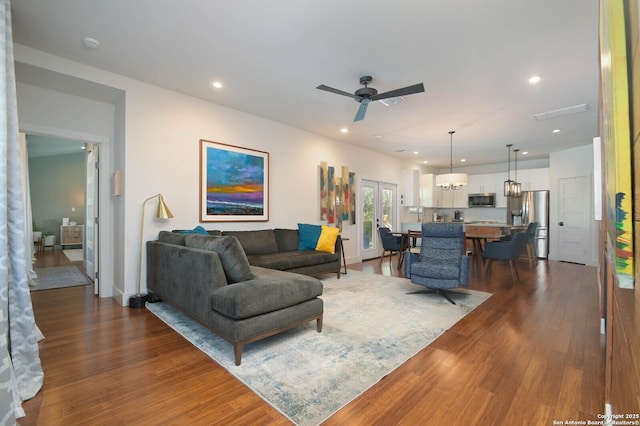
487,199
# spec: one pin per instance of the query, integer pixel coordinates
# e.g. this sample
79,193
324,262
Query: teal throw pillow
197,230
309,235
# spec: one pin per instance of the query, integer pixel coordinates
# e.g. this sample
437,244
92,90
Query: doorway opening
62,190
379,208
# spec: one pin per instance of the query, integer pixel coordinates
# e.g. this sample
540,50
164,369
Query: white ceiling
474,58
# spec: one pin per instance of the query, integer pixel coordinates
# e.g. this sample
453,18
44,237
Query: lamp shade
452,179
163,210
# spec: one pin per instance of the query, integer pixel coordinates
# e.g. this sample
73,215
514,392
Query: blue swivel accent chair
390,243
442,264
506,251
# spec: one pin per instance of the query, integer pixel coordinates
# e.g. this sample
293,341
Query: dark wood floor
530,355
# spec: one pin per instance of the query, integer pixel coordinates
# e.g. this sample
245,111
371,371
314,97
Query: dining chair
507,251
390,243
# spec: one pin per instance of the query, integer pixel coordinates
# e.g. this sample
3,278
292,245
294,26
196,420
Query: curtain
21,373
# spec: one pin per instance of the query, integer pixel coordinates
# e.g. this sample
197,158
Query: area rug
74,255
371,326
59,277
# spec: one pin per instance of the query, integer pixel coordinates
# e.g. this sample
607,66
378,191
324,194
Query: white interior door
91,215
573,225
379,207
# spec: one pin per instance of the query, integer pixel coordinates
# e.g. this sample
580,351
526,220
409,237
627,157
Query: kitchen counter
486,223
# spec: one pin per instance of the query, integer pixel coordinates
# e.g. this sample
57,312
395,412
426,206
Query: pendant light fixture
517,188
451,181
508,184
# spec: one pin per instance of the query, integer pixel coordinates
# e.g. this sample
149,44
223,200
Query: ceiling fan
366,94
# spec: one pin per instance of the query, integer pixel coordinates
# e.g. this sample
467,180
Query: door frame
105,256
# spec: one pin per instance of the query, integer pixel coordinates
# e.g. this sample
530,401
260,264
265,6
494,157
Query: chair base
441,291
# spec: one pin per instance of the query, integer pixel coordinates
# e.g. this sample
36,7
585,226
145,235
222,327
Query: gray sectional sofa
239,283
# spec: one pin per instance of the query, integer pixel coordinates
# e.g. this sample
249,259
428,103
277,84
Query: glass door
378,209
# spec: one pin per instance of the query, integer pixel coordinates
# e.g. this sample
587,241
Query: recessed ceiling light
525,152
344,130
556,130
463,160
90,43
415,153
425,162
534,79
217,84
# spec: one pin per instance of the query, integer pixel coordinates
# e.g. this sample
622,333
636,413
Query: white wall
159,154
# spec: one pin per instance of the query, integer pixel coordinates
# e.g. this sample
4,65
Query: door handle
561,223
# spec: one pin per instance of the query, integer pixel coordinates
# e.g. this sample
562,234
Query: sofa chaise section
193,279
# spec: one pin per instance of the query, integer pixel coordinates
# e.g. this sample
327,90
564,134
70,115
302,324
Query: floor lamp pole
138,300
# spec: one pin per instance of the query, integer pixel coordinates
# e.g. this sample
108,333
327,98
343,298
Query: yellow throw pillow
327,240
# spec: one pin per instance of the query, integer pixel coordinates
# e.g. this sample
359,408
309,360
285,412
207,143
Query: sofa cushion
287,239
255,242
234,260
327,240
171,238
270,291
308,236
292,259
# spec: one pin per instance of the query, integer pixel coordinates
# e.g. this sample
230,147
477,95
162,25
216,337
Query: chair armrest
465,270
409,259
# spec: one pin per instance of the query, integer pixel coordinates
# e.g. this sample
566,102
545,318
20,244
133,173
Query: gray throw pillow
171,238
233,258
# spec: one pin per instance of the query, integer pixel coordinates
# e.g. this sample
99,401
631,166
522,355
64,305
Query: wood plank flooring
530,355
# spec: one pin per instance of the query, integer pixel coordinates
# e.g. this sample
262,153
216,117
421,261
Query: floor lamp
138,300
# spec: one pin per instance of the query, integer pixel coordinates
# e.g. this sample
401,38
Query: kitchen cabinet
410,195
428,190
480,184
534,179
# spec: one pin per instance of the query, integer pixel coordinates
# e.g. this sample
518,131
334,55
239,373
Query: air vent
557,113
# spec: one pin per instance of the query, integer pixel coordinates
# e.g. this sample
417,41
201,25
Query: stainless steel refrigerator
532,206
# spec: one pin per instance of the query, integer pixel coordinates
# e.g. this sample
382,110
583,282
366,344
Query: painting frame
234,183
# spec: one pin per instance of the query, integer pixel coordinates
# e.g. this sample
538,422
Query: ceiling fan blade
409,90
338,92
362,110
